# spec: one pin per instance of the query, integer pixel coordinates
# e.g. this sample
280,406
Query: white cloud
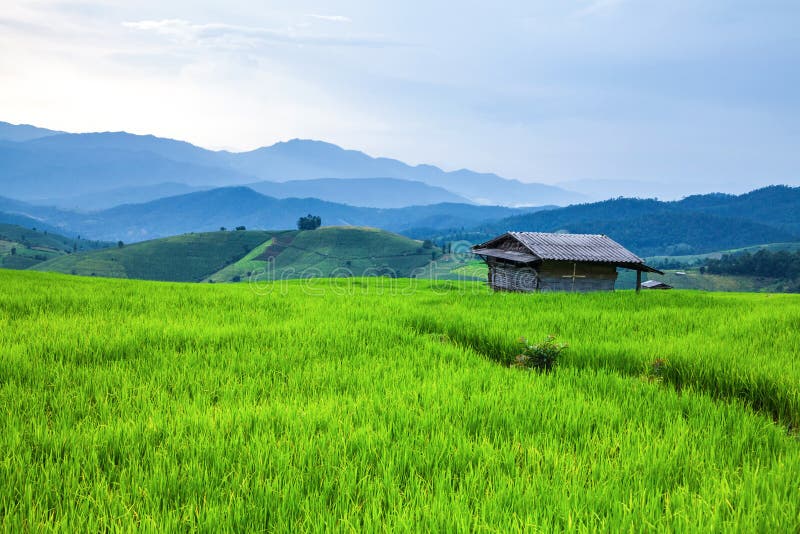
235,36
331,18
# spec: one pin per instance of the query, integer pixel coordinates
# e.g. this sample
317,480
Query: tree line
779,264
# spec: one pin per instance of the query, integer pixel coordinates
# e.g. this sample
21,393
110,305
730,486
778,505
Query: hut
534,261
655,284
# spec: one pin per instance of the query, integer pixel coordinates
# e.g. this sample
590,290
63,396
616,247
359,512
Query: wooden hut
533,261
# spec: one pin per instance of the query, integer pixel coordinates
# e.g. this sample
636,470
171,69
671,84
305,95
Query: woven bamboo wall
504,277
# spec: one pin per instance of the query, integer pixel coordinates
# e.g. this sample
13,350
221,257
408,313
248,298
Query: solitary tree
310,222
13,251
120,244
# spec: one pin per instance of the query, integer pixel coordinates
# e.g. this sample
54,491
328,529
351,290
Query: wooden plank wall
551,276
557,276
582,285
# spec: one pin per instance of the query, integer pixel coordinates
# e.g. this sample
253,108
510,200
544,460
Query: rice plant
377,404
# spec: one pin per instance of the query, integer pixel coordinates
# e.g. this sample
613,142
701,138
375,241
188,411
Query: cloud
331,18
235,36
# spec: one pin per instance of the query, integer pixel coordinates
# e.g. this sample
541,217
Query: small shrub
656,371
540,356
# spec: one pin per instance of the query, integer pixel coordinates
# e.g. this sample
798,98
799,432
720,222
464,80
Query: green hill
183,258
332,251
237,255
21,248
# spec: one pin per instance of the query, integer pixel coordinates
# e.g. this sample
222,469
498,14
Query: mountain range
694,225
119,186
237,206
46,166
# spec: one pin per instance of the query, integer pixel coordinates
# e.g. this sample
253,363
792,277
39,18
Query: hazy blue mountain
32,211
170,149
367,192
36,170
235,206
29,222
123,195
23,132
61,165
48,218
300,159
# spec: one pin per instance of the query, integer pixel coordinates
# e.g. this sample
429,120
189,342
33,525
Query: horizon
581,93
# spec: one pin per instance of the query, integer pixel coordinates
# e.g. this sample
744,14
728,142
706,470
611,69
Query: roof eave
648,269
486,244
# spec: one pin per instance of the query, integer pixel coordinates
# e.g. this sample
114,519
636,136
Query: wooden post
638,280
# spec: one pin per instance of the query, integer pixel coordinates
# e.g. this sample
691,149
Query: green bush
541,356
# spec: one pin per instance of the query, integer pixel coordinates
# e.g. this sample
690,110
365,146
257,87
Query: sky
679,95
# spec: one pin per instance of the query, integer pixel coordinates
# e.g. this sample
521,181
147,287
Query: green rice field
380,404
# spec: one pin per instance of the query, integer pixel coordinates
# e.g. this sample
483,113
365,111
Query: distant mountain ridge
72,165
301,159
235,206
373,192
23,132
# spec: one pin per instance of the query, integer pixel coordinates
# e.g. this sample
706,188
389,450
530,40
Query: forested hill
776,205
694,225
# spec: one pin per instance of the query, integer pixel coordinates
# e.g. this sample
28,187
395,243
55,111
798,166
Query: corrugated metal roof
655,284
568,247
575,247
512,255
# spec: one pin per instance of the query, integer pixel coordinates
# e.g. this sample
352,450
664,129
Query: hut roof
655,284
564,247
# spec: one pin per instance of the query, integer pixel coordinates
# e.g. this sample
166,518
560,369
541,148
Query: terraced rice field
386,404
